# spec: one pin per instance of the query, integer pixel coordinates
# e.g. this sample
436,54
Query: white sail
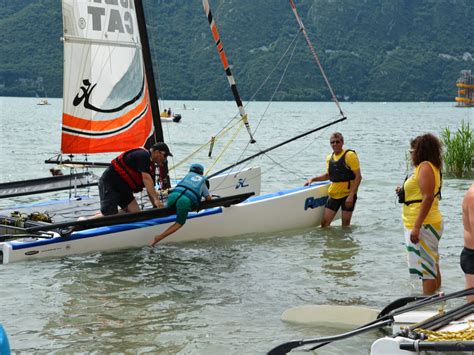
105,92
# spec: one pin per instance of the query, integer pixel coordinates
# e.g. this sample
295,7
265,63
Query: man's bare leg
327,217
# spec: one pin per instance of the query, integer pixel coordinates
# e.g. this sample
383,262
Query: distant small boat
173,118
43,102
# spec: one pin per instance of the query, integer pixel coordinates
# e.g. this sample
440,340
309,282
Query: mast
150,78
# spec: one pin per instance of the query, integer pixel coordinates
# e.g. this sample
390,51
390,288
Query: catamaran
110,105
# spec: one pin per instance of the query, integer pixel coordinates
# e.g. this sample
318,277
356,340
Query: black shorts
336,203
467,261
111,197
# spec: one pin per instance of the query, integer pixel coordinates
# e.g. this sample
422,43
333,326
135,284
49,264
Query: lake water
226,296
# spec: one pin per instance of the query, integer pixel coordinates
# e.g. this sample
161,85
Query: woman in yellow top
422,220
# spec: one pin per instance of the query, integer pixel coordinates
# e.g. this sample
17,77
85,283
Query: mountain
372,50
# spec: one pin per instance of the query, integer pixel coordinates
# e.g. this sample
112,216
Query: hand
157,203
415,235
397,190
307,182
155,240
349,201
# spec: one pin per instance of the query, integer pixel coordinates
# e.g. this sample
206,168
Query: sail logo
241,184
116,20
82,23
86,91
312,202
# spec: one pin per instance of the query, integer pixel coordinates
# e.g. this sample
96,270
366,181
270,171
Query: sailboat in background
110,105
43,102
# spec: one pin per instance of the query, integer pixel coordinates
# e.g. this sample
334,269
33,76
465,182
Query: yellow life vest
342,189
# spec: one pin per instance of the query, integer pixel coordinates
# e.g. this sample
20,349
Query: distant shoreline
207,100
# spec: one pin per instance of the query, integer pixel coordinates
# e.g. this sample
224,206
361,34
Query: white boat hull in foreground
301,207
391,345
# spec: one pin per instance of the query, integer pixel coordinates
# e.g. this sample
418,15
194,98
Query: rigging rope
224,149
279,82
211,141
297,153
315,55
462,335
271,72
292,44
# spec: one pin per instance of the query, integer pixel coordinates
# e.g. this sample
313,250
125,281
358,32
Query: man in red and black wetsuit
129,173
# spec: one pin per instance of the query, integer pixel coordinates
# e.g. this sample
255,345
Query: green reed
459,150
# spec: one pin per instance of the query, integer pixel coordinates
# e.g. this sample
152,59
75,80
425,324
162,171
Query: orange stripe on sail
133,137
105,125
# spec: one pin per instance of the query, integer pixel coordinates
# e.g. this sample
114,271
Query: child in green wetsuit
185,196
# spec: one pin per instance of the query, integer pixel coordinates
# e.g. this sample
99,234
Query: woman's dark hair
426,147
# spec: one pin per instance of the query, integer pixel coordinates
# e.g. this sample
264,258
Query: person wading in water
343,170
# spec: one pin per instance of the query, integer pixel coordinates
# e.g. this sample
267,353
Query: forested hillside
372,50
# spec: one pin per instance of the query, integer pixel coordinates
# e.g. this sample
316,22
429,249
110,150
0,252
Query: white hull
174,118
166,119
240,182
286,210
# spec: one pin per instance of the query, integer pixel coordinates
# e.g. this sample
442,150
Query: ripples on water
226,296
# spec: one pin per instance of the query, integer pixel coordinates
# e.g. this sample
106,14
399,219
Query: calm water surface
226,296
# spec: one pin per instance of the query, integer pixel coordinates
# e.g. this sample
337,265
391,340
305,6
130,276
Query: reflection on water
338,257
136,298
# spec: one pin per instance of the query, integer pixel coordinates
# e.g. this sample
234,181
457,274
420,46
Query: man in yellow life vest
343,170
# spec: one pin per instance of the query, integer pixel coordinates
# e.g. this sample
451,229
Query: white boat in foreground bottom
400,345
301,207
415,332
442,331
